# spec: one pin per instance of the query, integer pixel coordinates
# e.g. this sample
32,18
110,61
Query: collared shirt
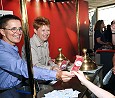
40,53
10,60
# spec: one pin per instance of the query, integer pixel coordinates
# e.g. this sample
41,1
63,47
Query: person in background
111,83
113,26
113,32
11,62
99,38
99,92
113,63
40,46
108,34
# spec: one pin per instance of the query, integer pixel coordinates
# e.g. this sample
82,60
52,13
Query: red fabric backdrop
63,24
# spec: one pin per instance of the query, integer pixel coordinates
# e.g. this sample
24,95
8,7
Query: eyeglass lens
14,29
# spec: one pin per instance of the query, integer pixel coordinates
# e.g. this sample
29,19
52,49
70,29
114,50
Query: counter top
74,84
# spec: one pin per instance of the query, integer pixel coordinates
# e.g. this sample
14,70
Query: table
75,84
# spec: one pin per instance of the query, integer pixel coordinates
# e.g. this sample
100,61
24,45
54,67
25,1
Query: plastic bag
107,77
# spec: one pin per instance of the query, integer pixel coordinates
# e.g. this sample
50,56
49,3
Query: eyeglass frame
14,28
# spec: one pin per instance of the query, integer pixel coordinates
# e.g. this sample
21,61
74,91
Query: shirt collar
7,45
39,42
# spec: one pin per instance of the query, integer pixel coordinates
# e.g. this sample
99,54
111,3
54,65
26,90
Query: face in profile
102,25
113,27
12,33
43,32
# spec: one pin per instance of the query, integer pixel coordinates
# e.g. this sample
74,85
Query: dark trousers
12,93
15,93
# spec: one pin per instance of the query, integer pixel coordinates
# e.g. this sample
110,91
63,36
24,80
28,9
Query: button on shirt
10,60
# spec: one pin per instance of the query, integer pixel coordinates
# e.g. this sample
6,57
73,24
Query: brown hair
98,25
40,21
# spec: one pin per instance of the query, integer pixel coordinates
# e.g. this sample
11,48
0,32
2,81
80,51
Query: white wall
107,14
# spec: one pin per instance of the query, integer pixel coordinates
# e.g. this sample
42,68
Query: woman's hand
80,76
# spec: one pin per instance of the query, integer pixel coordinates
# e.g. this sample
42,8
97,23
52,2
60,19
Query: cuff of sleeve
44,74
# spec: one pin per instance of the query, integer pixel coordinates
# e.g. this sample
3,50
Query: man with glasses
11,62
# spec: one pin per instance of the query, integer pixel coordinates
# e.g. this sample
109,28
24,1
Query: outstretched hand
80,76
64,75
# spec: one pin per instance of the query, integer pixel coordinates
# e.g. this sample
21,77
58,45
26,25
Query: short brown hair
5,18
40,21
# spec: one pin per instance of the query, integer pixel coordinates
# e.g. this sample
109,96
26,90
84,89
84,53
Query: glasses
14,29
